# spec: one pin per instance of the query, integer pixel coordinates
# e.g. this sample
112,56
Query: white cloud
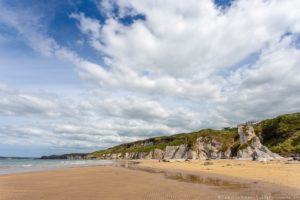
15,103
266,88
97,120
181,69
188,39
180,49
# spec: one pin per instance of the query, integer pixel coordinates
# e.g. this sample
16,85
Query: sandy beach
111,182
277,172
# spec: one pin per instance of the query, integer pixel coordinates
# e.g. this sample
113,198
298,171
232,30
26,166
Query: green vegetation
235,148
208,163
226,137
281,134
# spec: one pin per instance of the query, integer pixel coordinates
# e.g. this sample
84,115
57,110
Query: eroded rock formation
208,148
251,147
242,143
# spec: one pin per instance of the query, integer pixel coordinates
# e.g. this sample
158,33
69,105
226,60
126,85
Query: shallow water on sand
226,188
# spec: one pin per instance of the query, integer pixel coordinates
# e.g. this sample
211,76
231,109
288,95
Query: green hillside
227,137
280,134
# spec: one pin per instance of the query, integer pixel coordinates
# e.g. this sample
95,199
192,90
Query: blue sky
83,75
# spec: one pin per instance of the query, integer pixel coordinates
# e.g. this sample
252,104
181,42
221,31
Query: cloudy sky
83,75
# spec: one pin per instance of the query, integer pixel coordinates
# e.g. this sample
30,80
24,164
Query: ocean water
9,166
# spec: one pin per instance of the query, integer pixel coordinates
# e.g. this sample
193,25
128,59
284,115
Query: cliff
251,146
204,144
281,134
265,140
251,140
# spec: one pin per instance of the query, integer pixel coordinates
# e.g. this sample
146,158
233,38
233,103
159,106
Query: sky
84,75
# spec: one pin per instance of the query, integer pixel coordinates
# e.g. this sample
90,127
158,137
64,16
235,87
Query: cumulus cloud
13,102
270,83
181,67
181,48
192,37
89,123
38,104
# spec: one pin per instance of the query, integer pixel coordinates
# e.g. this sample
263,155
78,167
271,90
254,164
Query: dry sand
109,182
278,172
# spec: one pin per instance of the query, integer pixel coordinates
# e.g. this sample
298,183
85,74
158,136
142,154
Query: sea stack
251,147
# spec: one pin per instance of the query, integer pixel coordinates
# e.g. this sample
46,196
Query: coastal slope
264,140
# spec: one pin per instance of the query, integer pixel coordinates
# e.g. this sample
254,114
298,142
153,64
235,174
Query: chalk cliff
251,147
265,140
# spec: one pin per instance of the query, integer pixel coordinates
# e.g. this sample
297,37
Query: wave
27,165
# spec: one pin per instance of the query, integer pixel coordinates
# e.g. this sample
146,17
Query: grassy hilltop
281,134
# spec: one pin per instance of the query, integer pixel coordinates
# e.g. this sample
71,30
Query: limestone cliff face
280,134
207,148
251,147
246,132
204,148
241,142
171,152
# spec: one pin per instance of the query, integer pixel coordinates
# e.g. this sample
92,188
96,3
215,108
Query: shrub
208,163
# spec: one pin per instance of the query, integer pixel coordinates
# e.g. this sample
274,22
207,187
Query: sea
14,165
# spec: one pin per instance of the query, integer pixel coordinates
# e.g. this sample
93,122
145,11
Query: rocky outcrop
157,154
191,154
205,144
246,132
132,155
208,148
251,147
176,152
181,152
170,152
204,148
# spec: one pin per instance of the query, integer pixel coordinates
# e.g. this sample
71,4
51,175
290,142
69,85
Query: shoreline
147,180
39,165
250,170
273,172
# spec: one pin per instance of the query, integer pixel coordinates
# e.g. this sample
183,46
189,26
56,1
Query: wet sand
111,182
278,172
